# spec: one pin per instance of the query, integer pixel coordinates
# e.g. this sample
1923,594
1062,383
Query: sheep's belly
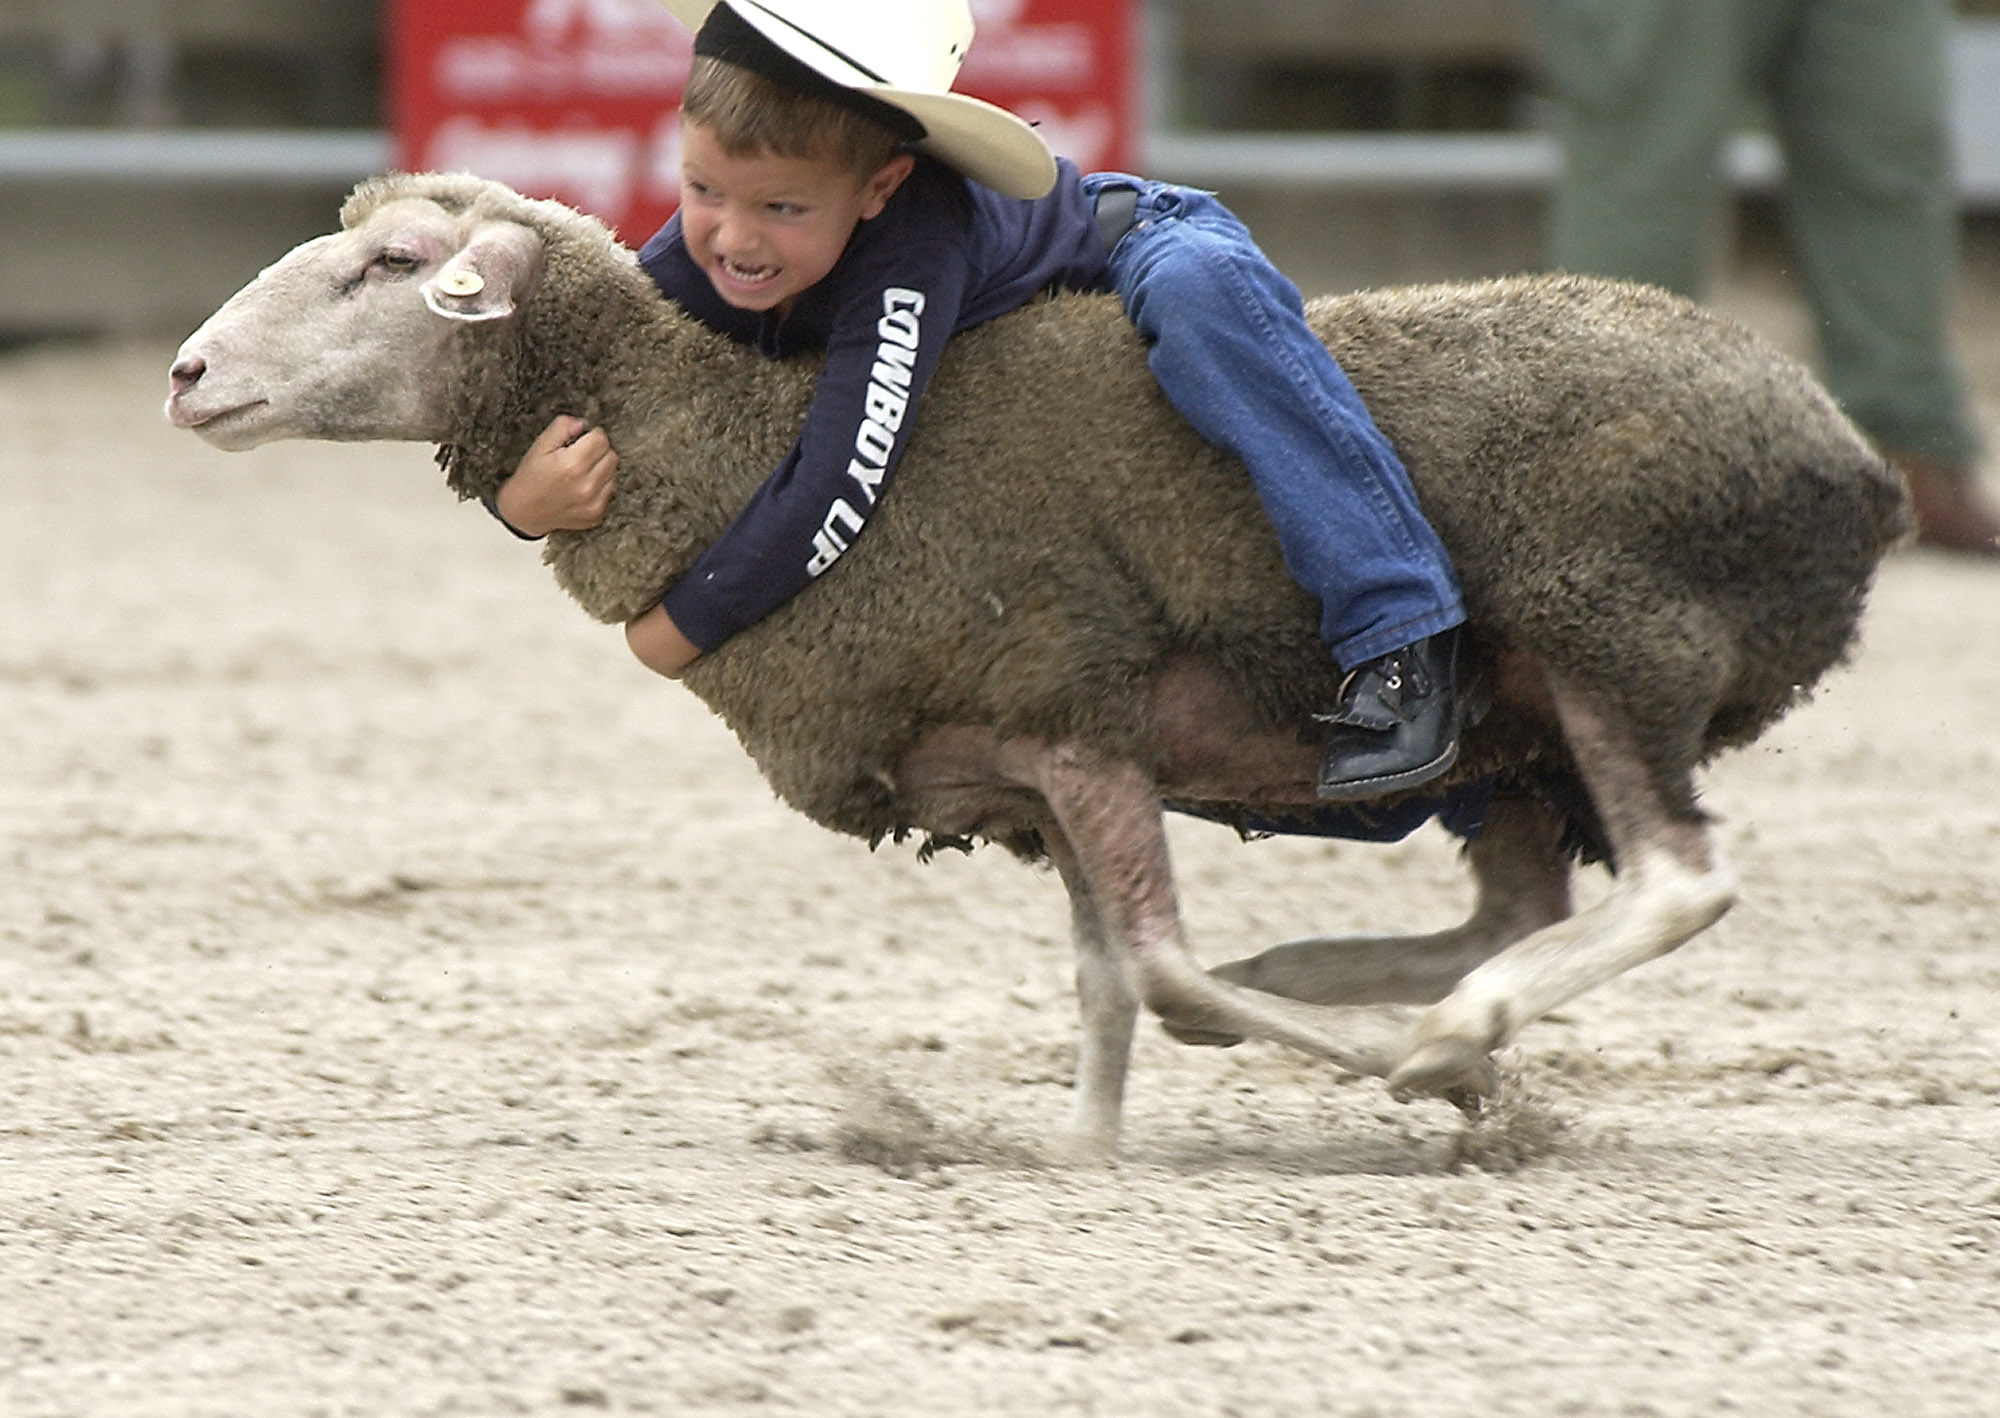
965,780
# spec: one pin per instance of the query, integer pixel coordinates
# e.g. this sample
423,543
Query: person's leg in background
1647,92
1859,92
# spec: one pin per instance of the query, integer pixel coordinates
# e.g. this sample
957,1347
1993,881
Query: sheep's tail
1895,516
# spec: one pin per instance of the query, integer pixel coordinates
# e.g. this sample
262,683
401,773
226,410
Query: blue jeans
1229,347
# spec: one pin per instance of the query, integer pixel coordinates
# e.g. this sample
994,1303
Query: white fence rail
1524,161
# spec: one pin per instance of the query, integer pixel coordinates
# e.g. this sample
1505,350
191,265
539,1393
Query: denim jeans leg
1230,349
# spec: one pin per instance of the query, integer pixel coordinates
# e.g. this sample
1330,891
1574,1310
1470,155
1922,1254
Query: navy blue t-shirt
944,255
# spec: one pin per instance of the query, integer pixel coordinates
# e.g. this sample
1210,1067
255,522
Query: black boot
1398,722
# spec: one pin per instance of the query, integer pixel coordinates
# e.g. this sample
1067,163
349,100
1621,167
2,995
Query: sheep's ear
498,269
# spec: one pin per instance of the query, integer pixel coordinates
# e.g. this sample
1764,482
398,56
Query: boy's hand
659,644
564,480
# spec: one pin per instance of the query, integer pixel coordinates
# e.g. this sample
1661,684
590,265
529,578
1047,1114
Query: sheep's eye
396,263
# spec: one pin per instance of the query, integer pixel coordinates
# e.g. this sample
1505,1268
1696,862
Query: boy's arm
563,481
659,644
811,508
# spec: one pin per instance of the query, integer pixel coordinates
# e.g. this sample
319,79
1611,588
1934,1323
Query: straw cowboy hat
904,53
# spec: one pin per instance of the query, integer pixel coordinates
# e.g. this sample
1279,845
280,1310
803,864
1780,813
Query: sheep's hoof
1074,1146
1206,1038
1470,1102
1456,1070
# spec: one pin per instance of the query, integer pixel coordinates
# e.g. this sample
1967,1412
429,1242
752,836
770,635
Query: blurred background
155,153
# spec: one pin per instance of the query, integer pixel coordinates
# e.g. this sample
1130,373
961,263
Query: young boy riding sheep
836,196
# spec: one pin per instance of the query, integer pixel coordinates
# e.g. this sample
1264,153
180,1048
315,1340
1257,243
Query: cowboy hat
904,53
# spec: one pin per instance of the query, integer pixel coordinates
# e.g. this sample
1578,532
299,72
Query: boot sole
1384,784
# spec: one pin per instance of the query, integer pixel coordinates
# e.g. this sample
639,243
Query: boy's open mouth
746,275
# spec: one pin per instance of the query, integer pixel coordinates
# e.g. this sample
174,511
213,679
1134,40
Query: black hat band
728,37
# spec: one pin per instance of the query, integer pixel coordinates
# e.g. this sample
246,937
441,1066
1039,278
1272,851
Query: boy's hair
749,113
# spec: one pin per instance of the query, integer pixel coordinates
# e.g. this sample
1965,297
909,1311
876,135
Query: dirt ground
408,1006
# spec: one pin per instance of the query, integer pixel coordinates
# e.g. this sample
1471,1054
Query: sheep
1070,611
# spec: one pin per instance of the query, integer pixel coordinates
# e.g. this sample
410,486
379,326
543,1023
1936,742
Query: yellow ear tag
461,282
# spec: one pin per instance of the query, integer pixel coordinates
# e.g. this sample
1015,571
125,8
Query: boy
825,206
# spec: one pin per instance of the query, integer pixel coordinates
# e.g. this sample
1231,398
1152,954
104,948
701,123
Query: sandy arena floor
410,1007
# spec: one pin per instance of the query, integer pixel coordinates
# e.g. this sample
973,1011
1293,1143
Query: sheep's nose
187,373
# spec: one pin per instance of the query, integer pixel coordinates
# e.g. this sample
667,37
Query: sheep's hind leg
1670,885
1523,885
1109,813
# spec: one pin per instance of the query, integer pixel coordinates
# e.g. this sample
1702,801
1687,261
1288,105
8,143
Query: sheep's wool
1638,497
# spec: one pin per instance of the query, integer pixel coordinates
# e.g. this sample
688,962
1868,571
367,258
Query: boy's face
764,228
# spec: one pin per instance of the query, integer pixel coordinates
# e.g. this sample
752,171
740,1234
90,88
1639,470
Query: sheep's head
350,336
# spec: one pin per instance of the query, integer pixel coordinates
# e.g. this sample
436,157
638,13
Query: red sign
580,99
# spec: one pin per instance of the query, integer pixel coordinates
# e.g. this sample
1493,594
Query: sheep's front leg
1109,813
1109,1006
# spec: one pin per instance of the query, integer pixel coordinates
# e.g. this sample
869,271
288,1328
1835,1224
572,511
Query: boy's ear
882,186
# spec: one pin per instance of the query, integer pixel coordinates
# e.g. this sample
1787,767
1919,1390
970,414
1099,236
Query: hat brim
985,142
